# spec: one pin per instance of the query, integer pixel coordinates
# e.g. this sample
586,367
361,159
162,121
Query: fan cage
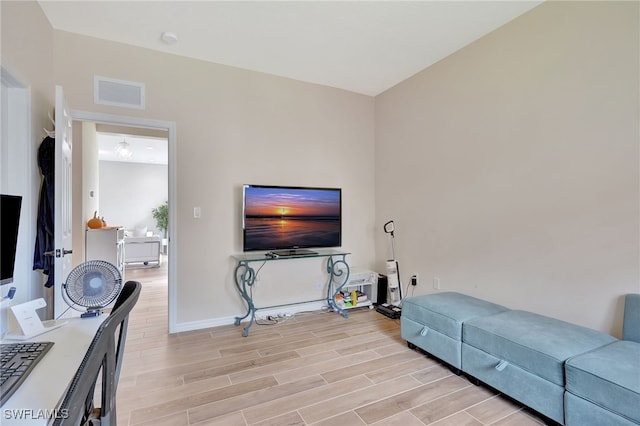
93,284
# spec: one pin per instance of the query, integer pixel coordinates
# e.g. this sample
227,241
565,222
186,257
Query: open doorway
133,190
133,194
126,190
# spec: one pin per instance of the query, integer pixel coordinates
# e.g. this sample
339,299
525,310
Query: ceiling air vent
126,94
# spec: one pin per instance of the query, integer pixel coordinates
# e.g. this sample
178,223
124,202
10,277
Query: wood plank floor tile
369,366
459,419
291,344
240,366
403,418
393,348
349,418
281,366
289,419
408,367
194,401
348,345
430,374
493,409
451,403
134,400
281,406
369,341
233,419
520,418
333,406
179,369
251,398
176,419
324,367
410,399
276,345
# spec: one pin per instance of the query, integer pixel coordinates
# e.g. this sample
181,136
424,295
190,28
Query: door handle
49,253
66,252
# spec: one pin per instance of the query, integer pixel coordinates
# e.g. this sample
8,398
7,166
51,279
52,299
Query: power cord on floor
280,318
274,319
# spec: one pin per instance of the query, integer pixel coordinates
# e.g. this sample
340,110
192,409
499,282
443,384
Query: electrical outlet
436,283
414,280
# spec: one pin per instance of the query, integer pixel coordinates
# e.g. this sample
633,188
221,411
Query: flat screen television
9,221
289,220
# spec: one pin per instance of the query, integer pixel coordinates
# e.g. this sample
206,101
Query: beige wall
27,54
515,172
235,127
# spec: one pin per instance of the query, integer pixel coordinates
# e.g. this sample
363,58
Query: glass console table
245,278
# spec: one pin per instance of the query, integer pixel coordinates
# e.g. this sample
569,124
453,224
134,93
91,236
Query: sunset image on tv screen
277,218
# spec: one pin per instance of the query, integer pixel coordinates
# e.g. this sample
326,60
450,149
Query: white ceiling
361,46
144,149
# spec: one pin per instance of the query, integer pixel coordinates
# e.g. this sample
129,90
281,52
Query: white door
63,198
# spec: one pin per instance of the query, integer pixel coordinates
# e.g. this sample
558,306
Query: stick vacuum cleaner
392,308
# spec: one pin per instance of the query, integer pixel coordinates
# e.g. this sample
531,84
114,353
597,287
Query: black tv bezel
285,187
13,202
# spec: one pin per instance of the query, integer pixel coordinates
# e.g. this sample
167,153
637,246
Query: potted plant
161,215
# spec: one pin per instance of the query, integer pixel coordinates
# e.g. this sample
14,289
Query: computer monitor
9,223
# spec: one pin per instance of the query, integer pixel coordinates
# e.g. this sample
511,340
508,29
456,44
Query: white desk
45,387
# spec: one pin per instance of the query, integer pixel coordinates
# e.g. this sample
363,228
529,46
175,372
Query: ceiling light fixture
123,149
169,37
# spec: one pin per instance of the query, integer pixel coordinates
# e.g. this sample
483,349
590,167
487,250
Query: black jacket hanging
46,211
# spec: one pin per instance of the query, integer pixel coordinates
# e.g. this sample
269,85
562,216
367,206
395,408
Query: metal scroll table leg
244,277
338,270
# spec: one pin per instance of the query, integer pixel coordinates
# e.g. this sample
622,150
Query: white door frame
170,127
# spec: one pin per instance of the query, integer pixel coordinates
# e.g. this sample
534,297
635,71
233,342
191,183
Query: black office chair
103,360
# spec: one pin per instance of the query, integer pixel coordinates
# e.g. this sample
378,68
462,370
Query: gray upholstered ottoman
433,322
523,354
603,386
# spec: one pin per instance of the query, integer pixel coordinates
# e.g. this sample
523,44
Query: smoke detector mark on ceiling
169,37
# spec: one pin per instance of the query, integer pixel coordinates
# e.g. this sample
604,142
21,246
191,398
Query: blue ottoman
523,354
433,322
603,386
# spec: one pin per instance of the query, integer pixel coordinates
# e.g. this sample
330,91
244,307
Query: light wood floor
314,369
